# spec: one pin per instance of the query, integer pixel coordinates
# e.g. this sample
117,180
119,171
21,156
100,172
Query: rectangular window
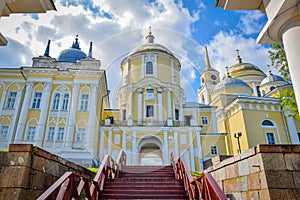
30,133
80,135
84,102
10,103
149,111
271,138
204,120
176,114
61,132
56,101
149,68
36,100
188,120
124,114
213,150
65,102
51,132
3,133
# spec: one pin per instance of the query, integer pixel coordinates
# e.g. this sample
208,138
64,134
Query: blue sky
118,26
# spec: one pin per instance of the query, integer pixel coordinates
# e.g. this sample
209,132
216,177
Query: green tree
287,96
279,61
288,102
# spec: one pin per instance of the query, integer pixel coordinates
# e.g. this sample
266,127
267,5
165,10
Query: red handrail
203,187
72,185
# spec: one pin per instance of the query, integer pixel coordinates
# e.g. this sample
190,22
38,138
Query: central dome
151,46
72,54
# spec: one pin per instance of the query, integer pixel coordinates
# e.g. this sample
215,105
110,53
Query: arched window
267,123
272,88
56,101
65,102
149,67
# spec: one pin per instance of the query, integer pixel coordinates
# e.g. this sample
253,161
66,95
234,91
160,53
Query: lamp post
100,123
237,136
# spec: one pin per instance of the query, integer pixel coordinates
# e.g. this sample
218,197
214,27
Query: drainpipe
19,108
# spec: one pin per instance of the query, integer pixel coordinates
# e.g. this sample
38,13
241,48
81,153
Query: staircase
144,182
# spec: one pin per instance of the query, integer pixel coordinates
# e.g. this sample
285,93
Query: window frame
150,111
3,132
60,134
149,69
11,100
30,133
213,150
65,101
50,138
204,119
84,102
56,100
79,132
37,100
273,139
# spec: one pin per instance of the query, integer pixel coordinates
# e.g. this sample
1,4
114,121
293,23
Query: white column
101,147
214,120
24,112
72,116
92,119
192,154
140,103
172,72
200,156
109,142
134,152
254,89
3,97
170,122
124,141
43,114
129,121
292,130
160,117
17,108
176,144
291,37
166,157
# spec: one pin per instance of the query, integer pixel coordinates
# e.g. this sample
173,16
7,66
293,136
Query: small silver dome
231,82
151,47
271,78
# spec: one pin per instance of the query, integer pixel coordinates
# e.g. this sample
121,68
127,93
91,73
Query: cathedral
62,105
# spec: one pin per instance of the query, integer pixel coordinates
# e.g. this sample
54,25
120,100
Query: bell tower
209,79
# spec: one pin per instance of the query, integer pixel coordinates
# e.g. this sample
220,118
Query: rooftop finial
90,50
47,51
75,44
207,62
227,70
269,70
239,59
150,37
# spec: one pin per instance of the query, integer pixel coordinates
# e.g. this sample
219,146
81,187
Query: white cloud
251,22
222,51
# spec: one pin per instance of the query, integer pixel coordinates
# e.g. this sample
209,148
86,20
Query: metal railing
203,187
74,186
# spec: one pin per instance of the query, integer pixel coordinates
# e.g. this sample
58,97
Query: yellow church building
62,105
247,108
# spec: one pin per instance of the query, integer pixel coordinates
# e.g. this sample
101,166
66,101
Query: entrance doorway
150,151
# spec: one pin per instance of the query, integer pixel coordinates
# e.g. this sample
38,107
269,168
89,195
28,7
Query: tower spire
47,51
90,50
207,62
150,37
239,59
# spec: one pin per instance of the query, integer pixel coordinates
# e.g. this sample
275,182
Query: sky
117,26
